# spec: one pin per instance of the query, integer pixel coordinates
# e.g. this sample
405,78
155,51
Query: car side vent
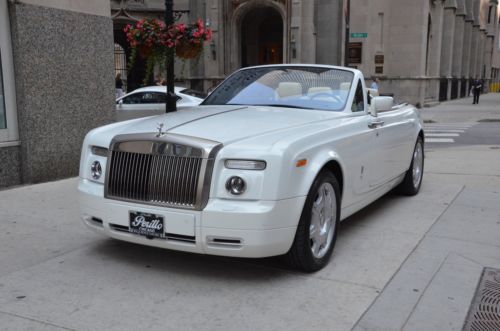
96,221
224,242
181,238
117,227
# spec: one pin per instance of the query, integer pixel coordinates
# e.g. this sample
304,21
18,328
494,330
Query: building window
490,10
121,64
8,115
3,121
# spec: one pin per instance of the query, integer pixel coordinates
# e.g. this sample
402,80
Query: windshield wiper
283,106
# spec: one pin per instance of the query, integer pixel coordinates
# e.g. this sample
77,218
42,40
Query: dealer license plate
145,224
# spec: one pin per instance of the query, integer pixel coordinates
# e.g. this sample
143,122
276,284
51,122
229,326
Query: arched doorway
261,37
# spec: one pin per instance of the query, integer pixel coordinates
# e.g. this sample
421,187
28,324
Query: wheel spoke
323,215
417,165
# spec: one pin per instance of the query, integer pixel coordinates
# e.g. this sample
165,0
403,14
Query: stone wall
10,159
63,63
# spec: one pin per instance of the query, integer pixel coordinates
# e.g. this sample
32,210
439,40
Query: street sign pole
347,27
171,103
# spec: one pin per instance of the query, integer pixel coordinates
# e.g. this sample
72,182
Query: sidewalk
459,110
434,287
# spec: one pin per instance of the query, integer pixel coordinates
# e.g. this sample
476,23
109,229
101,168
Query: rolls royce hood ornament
160,130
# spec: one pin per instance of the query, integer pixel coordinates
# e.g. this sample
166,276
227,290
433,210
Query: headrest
345,86
286,89
319,89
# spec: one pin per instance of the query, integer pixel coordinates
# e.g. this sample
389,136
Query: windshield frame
210,100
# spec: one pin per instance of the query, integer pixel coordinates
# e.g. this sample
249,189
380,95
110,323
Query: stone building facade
246,32
424,51
429,50
56,83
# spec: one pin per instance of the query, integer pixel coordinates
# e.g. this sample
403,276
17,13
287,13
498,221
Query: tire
311,250
413,177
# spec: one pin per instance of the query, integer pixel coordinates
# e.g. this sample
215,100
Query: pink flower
199,23
208,35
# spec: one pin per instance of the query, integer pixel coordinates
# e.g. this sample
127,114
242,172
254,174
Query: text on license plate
145,224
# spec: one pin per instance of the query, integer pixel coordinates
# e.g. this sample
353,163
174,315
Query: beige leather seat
287,89
319,89
345,86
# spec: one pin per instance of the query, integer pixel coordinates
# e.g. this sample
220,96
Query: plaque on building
355,53
379,59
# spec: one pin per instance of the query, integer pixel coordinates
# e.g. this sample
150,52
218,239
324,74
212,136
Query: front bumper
251,229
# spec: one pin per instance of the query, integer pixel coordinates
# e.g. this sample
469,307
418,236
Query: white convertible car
267,165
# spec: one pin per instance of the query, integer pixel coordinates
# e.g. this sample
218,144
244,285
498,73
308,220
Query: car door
136,105
363,145
393,132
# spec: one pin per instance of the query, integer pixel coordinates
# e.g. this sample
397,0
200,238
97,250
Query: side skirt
374,195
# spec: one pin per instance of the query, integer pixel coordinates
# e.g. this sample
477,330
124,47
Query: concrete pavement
402,263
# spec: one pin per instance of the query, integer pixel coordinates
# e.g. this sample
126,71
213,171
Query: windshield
295,87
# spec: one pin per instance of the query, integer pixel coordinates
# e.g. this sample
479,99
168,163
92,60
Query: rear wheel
317,230
413,178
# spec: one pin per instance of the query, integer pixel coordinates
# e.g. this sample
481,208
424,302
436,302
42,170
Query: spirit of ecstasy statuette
160,130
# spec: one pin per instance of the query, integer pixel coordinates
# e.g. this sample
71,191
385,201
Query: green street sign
359,35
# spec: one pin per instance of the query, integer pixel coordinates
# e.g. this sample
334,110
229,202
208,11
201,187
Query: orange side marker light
301,163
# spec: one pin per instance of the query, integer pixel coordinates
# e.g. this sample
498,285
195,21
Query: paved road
402,263
459,123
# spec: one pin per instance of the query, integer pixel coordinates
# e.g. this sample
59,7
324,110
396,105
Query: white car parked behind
150,100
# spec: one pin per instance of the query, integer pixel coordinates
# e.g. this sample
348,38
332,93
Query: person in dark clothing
118,85
476,91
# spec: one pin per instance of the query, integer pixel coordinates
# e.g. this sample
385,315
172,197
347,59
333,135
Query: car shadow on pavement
179,263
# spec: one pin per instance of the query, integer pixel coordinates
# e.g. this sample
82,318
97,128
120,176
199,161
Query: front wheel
317,230
413,178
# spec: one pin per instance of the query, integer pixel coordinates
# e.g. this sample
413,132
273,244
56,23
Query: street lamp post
171,104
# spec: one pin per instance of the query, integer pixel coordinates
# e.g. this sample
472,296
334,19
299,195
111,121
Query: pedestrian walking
118,86
476,91
375,83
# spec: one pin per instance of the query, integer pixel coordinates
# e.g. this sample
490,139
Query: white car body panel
265,217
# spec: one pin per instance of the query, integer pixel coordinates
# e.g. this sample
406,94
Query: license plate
145,224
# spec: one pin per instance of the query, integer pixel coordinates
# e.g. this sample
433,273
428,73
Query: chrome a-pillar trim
168,144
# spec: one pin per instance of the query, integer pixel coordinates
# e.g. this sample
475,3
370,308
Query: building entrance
261,37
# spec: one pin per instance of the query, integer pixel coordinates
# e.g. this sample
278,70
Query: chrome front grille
154,178
167,170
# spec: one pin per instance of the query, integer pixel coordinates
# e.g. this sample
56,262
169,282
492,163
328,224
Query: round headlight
96,170
236,185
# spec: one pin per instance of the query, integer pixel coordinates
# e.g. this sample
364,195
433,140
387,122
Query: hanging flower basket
152,39
187,50
145,51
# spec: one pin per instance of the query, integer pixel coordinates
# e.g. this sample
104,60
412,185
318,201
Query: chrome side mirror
380,104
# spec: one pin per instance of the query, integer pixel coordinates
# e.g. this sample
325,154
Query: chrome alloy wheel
323,216
418,160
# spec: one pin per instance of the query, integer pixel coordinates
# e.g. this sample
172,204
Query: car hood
225,124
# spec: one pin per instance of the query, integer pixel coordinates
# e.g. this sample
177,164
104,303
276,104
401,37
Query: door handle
375,124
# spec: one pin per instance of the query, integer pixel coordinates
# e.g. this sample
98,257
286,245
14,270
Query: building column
307,33
480,55
458,45
434,56
491,29
450,7
474,50
467,52
488,54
